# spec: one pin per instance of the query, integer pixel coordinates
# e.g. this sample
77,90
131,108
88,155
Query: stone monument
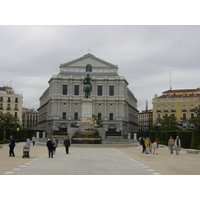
86,131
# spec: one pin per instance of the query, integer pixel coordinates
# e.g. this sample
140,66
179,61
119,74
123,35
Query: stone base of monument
86,133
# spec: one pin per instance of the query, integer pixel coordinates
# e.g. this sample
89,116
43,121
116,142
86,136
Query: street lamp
181,124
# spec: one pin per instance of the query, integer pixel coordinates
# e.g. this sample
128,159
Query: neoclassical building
112,101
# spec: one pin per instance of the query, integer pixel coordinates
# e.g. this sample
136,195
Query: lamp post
181,124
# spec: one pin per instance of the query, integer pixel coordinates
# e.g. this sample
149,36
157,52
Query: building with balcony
11,102
29,118
181,103
145,119
112,101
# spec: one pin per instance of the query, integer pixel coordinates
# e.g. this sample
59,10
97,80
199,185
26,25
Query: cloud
30,55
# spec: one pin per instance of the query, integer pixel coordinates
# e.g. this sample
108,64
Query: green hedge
186,138
195,142
1,134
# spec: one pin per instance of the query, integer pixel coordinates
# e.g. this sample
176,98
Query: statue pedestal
86,108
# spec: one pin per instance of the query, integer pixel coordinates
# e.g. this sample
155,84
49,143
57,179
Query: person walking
54,145
171,144
142,142
33,140
177,145
12,146
50,147
67,144
28,142
155,147
147,145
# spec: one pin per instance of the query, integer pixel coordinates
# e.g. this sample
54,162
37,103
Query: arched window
88,68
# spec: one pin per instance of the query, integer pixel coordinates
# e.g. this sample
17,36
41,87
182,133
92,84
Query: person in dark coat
12,146
50,147
143,144
67,144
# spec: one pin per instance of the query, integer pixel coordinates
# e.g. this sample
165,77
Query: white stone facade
112,101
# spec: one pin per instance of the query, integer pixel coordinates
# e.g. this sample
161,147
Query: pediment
89,59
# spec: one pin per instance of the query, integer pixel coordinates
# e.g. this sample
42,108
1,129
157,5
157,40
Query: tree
168,122
7,121
196,119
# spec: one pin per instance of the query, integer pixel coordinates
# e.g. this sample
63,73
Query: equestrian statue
87,88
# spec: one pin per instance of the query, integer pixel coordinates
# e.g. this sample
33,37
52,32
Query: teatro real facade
112,101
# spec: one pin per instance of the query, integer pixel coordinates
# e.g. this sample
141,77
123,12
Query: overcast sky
145,55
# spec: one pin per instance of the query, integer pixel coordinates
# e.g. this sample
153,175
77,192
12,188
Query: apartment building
181,103
11,102
29,118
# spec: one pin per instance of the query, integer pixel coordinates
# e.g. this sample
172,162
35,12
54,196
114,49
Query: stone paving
83,161
98,160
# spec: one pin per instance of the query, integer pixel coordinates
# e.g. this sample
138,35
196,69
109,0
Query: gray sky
30,55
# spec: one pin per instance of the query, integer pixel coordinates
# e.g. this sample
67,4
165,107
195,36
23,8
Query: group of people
174,144
149,147
53,143
12,144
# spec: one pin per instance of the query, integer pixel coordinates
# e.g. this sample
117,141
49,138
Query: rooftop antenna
170,80
89,49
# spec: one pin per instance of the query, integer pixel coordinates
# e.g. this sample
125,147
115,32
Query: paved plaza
98,160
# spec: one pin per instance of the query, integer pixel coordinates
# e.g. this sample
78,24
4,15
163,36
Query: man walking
67,145
171,144
12,146
177,145
50,147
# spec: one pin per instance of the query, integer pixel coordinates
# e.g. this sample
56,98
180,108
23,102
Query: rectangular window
76,116
111,116
99,90
76,90
9,99
1,99
15,114
111,90
184,116
64,91
8,107
16,106
184,108
64,115
191,107
16,100
99,116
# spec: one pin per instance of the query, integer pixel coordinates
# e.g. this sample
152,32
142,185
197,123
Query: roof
182,90
88,56
178,96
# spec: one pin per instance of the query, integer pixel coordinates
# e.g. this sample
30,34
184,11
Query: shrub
22,135
185,138
195,138
1,134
